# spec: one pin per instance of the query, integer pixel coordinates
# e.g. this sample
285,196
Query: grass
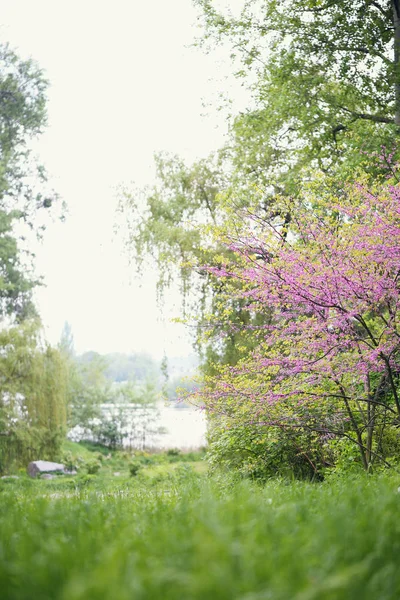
173,534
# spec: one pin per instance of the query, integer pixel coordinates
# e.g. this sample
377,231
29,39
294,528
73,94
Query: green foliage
92,466
389,444
70,461
104,395
145,459
87,389
22,182
116,465
174,452
107,432
82,481
115,367
346,458
85,449
33,400
323,78
175,224
135,467
163,220
105,413
176,387
199,539
263,452
130,415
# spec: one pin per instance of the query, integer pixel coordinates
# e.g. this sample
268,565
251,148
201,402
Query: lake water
183,428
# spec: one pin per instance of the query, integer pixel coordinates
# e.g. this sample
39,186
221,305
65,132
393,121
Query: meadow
172,532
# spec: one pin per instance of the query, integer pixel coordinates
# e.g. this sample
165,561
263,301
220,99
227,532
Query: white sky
123,86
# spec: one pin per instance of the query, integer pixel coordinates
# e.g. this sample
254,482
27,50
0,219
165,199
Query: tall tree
33,376
324,76
23,182
328,361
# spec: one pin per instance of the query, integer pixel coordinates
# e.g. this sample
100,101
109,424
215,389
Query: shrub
92,466
134,468
173,452
70,461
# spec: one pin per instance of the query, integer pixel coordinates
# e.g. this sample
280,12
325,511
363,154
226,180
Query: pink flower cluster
333,286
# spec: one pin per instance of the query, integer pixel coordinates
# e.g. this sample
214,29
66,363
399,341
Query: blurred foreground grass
177,535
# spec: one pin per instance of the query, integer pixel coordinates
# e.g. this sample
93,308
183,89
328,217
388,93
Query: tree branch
367,117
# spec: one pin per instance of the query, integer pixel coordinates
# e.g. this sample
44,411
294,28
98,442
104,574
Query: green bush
185,473
92,466
82,481
174,455
134,468
70,462
258,453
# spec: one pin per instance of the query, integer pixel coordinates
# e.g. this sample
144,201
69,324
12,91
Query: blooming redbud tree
328,358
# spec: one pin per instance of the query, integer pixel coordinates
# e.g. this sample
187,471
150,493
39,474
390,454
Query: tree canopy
324,80
23,182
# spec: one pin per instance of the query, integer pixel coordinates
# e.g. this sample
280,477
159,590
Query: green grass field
171,533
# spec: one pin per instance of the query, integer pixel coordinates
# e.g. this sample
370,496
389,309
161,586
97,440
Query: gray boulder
47,476
39,467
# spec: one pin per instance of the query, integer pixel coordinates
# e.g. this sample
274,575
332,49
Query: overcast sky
124,85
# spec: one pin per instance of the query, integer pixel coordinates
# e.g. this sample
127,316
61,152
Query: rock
10,477
72,472
47,476
117,474
38,467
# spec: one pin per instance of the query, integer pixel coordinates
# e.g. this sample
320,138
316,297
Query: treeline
169,375
120,367
295,313
113,399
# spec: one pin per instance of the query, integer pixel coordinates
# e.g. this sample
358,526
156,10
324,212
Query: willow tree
33,400
170,228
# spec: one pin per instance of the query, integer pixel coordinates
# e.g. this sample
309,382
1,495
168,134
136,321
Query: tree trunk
396,24
370,433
